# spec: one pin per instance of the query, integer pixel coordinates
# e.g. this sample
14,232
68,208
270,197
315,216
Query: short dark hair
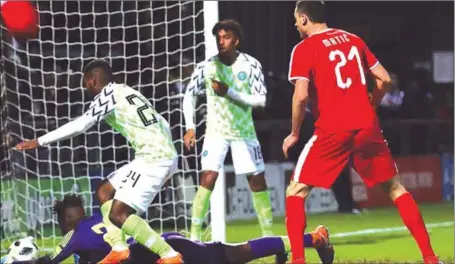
69,201
99,64
315,10
228,24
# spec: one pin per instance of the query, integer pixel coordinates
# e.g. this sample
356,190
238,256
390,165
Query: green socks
139,229
263,206
286,243
114,236
199,211
261,202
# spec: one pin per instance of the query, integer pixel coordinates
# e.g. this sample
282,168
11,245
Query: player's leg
411,216
278,246
321,242
321,161
114,236
213,154
262,202
247,160
137,190
105,191
196,252
296,194
200,204
259,248
375,165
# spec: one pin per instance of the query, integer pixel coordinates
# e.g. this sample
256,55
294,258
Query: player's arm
64,250
194,87
300,68
257,98
101,106
381,77
70,129
383,84
299,102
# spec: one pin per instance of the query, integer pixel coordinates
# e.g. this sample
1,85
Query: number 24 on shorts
132,176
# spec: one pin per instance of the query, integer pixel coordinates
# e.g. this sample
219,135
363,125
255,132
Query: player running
130,189
83,236
328,67
234,84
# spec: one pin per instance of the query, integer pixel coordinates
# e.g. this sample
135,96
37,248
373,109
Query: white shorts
246,155
138,182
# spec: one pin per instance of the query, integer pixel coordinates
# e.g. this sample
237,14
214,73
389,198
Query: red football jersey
335,63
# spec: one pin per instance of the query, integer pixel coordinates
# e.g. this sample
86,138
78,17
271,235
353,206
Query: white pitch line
358,232
385,230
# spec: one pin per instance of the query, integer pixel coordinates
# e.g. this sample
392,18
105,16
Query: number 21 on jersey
338,55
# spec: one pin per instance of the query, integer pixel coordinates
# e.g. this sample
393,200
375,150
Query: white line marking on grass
385,230
358,232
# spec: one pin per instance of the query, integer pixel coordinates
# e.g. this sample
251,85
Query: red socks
295,225
409,212
413,220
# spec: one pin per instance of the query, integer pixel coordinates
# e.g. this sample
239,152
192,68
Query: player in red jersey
328,70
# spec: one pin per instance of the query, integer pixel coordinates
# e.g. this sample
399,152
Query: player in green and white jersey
234,84
129,190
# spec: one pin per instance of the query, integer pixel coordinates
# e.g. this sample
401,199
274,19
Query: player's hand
189,139
288,142
28,144
219,88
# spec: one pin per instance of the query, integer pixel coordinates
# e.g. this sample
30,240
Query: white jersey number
354,53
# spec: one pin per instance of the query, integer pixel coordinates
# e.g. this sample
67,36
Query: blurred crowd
416,98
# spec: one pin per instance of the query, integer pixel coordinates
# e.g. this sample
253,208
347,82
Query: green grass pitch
391,246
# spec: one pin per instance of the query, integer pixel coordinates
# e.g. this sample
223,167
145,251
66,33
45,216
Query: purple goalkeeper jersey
86,241
87,244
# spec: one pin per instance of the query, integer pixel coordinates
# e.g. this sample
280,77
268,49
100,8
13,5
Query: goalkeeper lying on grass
85,238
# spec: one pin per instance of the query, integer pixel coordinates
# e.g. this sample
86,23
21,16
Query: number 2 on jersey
101,229
353,53
147,121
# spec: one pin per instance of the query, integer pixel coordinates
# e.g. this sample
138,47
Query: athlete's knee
208,179
257,182
117,218
394,188
105,191
298,189
119,213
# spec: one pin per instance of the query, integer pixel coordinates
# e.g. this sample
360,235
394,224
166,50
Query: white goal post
152,46
218,198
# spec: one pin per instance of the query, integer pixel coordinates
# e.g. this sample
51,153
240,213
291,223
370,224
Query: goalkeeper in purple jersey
83,238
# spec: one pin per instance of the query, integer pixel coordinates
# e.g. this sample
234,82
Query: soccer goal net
152,46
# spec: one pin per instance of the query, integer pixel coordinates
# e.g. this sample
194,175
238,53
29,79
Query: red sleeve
300,65
370,58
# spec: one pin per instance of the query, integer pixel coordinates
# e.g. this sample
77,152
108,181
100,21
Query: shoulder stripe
66,239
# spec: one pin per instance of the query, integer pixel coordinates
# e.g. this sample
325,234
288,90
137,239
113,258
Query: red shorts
327,153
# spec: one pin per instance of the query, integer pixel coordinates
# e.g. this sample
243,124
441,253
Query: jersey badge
241,76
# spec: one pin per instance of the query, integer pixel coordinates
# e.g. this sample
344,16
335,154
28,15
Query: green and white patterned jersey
226,117
128,112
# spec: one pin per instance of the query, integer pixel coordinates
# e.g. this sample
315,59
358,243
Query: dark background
399,33
147,49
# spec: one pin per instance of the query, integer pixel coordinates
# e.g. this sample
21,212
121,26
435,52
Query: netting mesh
152,46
